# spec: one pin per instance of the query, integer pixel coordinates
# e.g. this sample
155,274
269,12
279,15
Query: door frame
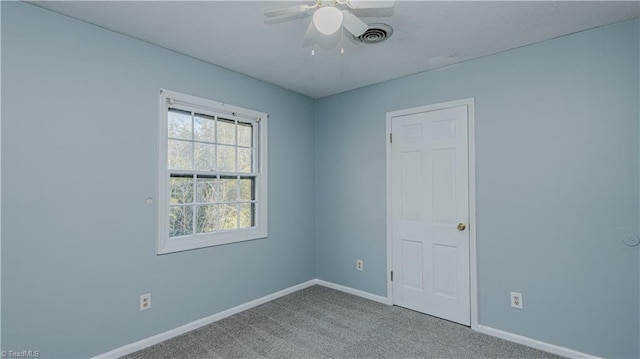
473,270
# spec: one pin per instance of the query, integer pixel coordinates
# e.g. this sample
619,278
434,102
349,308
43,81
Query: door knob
461,226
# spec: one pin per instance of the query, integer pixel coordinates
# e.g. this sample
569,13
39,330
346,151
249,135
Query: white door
430,213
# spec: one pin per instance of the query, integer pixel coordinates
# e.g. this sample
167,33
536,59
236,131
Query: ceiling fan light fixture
327,20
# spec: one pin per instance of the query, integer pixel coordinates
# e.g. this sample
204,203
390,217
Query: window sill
179,244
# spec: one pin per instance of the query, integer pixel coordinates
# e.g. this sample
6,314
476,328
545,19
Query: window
213,177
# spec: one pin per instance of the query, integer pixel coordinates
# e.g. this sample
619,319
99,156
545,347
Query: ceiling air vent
376,33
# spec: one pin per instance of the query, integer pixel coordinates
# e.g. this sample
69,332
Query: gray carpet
319,322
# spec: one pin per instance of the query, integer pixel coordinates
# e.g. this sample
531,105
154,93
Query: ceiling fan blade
307,40
281,19
287,11
328,42
370,4
353,24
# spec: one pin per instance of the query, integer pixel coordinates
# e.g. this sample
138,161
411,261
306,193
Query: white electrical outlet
516,300
145,301
359,264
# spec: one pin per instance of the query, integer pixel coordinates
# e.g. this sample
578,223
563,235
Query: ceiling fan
328,18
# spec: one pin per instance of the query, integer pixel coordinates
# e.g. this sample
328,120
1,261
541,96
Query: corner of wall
315,165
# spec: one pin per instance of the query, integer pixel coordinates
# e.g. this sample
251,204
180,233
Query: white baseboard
145,343
359,293
520,339
551,348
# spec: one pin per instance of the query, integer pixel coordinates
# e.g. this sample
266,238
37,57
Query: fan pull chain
313,41
341,39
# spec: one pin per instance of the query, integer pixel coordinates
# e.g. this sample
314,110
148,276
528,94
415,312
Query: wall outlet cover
145,301
516,300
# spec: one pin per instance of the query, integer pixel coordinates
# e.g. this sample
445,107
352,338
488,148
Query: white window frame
166,244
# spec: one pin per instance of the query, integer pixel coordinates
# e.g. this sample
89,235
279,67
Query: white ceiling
427,35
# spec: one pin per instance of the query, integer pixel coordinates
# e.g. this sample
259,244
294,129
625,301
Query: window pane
245,134
181,190
247,189
205,156
179,124
228,189
228,217
207,191
180,221
226,159
226,132
207,219
204,128
180,155
247,215
244,160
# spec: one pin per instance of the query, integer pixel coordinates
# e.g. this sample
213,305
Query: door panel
412,264
445,269
429,199
411,180
444,185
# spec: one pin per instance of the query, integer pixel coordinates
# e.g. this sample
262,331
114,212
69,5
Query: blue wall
79,157
557,185
558,165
